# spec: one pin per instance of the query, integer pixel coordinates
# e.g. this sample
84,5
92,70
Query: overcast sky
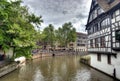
57,12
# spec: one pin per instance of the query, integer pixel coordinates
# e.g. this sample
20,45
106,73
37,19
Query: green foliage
37,20
23,51
49,35
16,27
63,36
66,33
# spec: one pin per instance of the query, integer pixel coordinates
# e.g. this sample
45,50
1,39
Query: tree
66,34
49,33
16,26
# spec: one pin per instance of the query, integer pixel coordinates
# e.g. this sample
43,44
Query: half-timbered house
103,27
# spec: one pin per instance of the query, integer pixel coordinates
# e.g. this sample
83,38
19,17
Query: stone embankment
7,69
9,66
47,54
13,66
57,53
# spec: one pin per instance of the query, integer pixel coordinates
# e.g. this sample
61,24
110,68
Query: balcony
116,48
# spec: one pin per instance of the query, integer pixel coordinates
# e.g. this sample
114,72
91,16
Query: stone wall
7,69
104,66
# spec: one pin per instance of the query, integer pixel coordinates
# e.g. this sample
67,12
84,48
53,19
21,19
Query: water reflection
63,68
38,76
82,75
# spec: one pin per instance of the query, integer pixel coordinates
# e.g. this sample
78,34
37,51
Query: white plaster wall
102,65
9,53
116,63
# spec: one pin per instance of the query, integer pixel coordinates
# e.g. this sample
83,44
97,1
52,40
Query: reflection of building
80,43
103,28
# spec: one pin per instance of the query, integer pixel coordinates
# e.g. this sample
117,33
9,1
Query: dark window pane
109,59
99,57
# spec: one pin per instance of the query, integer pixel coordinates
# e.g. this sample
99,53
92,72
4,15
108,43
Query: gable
95,10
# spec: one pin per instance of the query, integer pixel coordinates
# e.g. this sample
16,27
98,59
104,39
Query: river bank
57,53
58,68
6,68
86,60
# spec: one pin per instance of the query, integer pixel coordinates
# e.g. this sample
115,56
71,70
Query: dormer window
110,1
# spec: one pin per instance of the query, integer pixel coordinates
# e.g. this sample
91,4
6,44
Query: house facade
103,27
81,42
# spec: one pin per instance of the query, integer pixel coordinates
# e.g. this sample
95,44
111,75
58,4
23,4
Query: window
71,44
78,44
117,12
83,37
90,18
78,40
91,43
82,44
81,41
109,59
116,15
117,35
99,11
102,41
95,14
90,31
96,42
99,57
96,28
105,23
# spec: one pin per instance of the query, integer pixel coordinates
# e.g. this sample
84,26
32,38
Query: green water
62,68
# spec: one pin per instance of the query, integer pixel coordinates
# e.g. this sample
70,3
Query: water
62,68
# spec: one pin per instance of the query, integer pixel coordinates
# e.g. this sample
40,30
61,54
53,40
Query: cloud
57,12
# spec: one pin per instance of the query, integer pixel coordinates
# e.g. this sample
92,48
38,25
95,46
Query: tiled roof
103,4
107,6
79,33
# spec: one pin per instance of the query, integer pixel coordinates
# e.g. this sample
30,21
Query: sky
58,12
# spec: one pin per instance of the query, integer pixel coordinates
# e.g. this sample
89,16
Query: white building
81,42
103,28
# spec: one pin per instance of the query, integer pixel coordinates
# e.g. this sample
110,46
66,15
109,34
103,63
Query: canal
62,68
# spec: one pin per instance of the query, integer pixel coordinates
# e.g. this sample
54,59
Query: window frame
102,42
109,59
105,23
99,57
96,42
91,43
